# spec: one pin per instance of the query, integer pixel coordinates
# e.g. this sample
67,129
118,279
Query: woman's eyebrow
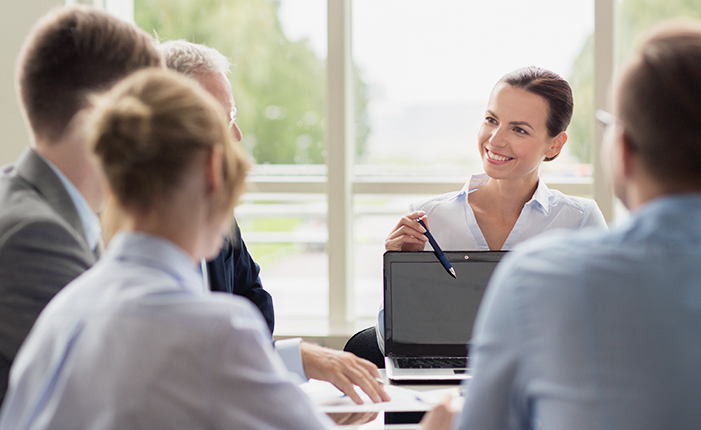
520,123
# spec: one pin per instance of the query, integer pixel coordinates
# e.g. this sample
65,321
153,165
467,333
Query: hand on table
352,418
408,234
440,417
344,370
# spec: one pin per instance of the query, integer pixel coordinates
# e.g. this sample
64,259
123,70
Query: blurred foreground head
658,105
152,130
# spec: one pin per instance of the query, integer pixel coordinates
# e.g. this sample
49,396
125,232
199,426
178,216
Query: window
353,109
426,74
635,17
278,80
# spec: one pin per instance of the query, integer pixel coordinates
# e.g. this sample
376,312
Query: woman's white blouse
452,221
454,226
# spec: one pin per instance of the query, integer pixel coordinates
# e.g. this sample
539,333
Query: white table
403,402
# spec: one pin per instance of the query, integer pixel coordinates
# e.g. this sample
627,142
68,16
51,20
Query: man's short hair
192,59
71,52
659,102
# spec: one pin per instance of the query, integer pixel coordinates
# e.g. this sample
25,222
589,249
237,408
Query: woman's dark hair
552,88
659,103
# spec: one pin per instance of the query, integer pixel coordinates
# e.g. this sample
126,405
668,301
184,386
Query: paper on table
330,399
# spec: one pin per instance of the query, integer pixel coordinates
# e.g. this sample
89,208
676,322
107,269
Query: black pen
438,251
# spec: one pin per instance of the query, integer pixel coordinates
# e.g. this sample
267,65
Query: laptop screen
427,311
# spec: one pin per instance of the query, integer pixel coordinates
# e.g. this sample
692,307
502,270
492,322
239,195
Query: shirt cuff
380,331
291,355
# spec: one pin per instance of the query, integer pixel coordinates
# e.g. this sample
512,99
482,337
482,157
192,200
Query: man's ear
627,154
556,145
214,167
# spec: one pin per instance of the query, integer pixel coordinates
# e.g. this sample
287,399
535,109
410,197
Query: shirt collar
91,222
475,183
157,253
541,195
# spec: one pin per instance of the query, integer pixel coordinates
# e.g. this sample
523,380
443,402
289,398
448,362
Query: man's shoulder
577,240
31,186
21,205
564,252
7,169
30,225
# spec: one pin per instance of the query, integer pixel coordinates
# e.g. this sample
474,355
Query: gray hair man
343,369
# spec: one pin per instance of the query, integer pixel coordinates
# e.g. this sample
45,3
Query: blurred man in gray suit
49,230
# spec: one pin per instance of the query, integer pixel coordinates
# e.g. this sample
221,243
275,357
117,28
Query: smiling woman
524,124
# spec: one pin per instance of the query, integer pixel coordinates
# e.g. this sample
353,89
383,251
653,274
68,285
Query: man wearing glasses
234,270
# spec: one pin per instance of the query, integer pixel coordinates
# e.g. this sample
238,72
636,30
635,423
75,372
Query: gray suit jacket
42,248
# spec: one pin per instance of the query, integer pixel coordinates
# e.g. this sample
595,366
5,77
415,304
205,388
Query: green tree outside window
634,18
278,84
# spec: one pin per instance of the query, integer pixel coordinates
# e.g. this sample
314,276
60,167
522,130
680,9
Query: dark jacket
235,272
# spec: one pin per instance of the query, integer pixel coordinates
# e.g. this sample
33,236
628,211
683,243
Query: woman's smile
497,158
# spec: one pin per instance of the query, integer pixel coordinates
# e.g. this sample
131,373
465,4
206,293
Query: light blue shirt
90,221
454,226
137,342
289,349
594,330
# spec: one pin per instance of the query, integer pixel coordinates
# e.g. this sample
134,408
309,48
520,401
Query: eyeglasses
232,117
606,119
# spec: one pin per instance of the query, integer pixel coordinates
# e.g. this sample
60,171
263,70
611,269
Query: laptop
429,315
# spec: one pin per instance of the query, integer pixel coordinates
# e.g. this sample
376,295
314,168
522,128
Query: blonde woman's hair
149,129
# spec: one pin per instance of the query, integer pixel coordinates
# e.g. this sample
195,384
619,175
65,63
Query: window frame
341,185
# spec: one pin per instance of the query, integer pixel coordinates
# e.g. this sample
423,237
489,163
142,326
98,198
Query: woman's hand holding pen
408,234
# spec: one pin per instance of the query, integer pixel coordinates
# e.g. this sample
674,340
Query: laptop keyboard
430,362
